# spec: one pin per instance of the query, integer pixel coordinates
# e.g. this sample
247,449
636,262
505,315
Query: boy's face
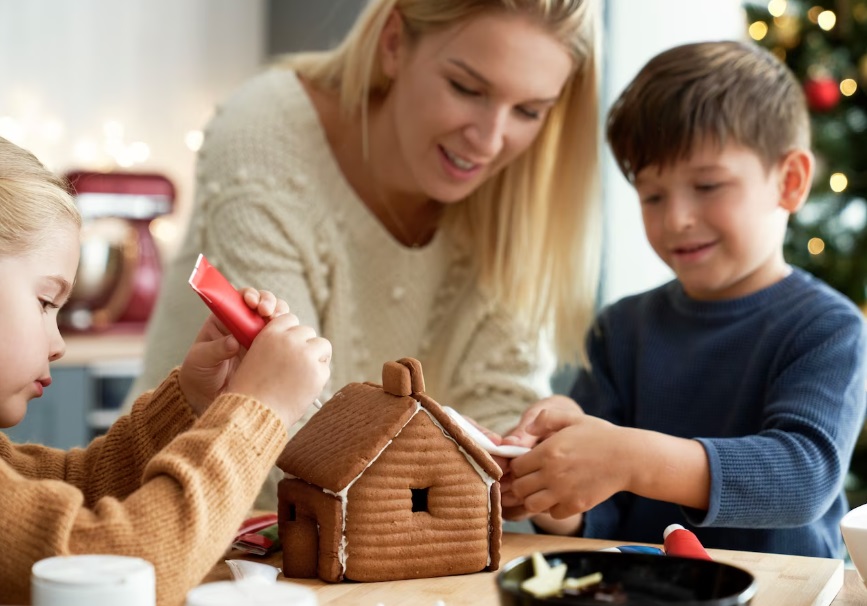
717,219
35,285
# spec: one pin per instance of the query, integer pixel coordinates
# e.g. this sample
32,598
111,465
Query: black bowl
645,579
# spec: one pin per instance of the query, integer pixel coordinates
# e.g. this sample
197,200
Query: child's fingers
282,308
550,421
215,352
541,501
251,297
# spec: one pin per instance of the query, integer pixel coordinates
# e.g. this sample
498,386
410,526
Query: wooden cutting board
782,580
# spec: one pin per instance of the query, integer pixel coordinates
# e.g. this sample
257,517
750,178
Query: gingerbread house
381,484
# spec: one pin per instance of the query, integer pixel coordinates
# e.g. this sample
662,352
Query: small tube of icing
226,302
678,541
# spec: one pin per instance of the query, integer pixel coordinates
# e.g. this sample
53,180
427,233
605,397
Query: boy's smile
717,218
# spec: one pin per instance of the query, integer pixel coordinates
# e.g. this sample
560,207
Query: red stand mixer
120,269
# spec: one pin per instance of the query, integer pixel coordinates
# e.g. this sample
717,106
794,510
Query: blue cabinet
60,417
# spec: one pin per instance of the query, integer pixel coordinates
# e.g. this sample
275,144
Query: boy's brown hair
723,91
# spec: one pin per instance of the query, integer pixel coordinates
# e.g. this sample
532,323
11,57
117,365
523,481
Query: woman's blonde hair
33,201
535,226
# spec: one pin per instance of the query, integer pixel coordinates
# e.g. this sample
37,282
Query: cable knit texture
772,385
160,485
274,211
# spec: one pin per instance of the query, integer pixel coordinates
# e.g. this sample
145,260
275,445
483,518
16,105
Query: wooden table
782,580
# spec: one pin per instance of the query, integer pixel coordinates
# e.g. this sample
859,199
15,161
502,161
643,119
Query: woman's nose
487,133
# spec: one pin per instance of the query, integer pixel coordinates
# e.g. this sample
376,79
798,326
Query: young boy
171,481
728,400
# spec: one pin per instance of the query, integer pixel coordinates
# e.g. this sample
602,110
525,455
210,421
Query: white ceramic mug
251,592
93,580
854,529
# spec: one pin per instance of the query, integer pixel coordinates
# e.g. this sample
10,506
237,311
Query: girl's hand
215,354
286,368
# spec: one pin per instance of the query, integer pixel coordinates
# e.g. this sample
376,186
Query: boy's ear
796,178
391,43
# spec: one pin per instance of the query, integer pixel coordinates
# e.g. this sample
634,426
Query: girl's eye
47,304
460,88
651,199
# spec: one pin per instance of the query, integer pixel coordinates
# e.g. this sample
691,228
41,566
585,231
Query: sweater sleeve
788,474
189,499
155,420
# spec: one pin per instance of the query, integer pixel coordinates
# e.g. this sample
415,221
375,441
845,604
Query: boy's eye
707,187
460,88
650,199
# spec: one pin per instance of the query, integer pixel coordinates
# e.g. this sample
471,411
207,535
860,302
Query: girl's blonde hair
535,226
33,201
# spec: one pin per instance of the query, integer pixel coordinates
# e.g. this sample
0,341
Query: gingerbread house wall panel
420,510
309,519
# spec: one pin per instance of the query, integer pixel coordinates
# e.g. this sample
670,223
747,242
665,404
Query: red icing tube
226,302
682,542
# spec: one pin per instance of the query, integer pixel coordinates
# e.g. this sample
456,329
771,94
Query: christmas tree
825,44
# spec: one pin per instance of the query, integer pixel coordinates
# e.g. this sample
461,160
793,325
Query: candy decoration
822,93
682,542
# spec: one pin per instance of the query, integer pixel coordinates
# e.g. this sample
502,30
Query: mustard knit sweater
160,485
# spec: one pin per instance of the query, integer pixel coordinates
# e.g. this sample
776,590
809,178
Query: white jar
251,592
93,580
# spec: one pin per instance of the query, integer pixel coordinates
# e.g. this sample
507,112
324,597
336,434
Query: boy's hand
215,354
520,436
581,461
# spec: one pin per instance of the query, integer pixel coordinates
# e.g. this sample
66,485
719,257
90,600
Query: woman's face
467,100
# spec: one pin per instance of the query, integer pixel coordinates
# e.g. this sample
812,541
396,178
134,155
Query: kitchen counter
103,348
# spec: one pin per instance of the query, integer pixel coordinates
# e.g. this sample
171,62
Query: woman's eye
457,86
530,114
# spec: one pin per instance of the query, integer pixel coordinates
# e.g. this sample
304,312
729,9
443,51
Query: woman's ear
796,176
391,43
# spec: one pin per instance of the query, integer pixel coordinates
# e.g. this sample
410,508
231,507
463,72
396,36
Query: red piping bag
226,302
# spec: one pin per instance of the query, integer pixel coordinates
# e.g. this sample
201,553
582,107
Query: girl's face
467,100
34,286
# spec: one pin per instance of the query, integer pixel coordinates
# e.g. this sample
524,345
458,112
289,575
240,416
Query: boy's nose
679,215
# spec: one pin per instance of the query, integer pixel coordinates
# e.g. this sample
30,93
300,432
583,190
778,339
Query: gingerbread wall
388,540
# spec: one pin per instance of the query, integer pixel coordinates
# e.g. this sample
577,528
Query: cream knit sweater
274,211
161,485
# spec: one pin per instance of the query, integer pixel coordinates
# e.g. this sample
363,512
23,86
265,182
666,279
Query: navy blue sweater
772,385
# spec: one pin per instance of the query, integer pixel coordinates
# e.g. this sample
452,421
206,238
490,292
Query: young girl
170,482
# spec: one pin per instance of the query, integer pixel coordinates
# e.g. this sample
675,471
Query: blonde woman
426,189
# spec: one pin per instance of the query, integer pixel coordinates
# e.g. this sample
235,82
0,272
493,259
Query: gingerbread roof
341,440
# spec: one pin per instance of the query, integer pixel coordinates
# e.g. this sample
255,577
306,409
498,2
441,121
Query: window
419,499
